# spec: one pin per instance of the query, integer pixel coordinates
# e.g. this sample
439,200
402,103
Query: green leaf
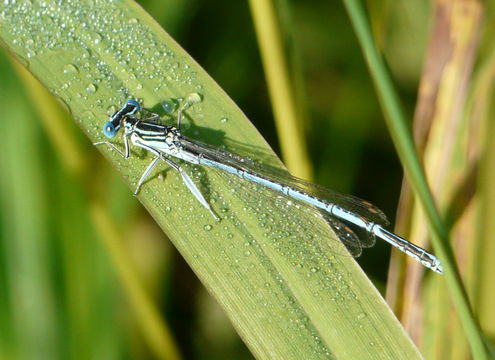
276,273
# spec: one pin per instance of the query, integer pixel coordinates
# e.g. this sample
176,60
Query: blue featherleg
166,143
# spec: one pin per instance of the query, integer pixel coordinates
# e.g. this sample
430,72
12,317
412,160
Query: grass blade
26,239
281,88
289,296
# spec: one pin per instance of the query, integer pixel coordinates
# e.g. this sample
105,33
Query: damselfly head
111,128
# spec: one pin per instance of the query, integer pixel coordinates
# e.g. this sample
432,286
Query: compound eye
134,104
109,129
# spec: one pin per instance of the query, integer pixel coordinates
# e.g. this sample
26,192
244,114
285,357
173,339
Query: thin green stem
404,144
282,94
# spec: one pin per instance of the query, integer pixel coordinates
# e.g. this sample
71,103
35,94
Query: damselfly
166,142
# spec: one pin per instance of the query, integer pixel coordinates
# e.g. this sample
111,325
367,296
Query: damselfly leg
152,116
146,173
125,156
127,148
190,100
186,179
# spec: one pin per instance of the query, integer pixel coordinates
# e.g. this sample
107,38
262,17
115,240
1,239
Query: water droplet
96,38
169,106
194,98
111,110
70,69
91,88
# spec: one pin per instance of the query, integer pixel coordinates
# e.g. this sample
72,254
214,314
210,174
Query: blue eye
133,103
110,130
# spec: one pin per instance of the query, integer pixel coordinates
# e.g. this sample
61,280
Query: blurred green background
59,296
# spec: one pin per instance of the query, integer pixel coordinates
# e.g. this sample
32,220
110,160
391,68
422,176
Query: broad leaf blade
288,294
